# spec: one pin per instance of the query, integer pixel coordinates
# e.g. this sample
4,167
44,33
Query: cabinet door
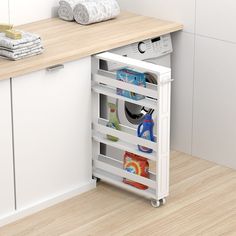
52,132
6,153
4,16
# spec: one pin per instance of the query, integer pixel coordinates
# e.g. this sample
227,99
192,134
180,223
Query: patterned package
132,77
136,165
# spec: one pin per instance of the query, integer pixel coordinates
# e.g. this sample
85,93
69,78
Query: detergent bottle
113,121
145,131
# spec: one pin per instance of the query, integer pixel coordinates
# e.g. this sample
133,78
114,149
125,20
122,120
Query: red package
136,165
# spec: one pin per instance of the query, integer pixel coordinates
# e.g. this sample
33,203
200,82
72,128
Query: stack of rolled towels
88,11
15,49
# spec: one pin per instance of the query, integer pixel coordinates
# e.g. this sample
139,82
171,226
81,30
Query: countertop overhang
67,41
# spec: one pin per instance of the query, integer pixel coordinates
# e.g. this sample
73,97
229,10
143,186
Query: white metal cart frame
157,97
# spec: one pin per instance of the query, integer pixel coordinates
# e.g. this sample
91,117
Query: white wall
25,11
214,128
177,10
4,16
204,60
182,60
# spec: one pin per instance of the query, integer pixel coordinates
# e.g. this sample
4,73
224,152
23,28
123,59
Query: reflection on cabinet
52,132
6,153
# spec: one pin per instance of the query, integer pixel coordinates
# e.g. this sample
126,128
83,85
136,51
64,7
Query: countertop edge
86,52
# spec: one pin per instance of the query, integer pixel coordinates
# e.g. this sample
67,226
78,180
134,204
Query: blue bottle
145,130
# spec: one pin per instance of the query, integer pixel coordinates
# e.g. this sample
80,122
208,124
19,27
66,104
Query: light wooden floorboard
202,201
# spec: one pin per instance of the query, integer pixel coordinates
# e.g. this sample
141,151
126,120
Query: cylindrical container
65,11
145,131
95,11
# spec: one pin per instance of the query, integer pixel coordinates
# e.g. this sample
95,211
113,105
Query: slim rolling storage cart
110,169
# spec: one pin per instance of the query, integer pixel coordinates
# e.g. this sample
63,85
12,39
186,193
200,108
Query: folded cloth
20,53
66,8
22,56
95,11
35,45
28,39
16,49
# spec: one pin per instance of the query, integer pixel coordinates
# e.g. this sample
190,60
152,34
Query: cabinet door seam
13,145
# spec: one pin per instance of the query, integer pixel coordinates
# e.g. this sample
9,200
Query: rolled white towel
95,11
65,10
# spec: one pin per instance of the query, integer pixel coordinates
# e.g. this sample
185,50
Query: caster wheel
97,179
163,201
155,203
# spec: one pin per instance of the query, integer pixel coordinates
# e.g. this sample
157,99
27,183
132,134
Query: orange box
136,165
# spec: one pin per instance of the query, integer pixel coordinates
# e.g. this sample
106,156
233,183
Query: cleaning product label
110,137
136,165
113,121
131,77
145,131
145,135
111,125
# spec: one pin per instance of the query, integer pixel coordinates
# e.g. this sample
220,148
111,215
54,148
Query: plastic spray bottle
113,121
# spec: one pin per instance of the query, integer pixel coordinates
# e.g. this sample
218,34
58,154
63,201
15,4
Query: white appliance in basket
157,51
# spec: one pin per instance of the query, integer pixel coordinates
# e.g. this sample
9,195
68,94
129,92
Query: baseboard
19,214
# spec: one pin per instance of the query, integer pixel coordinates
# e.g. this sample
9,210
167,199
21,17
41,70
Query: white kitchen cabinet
6,151
52,132
4,12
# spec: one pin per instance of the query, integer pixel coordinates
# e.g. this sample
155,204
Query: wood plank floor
202,202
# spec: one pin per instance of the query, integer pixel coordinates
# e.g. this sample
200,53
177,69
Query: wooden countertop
66,41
